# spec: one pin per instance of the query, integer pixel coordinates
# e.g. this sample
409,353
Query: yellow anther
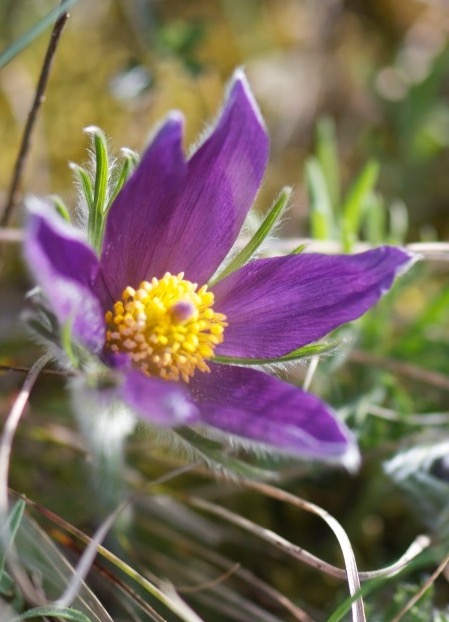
166,326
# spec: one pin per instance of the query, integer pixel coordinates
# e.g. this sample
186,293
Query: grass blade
53,612
300,353
248,251
14,519
321,214
355,201
326,152
18,46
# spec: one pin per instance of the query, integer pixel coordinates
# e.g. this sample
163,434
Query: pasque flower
141,305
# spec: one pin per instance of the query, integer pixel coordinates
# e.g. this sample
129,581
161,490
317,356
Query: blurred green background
380,69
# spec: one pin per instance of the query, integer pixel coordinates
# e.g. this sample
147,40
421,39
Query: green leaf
66,613
301,353
13,522
375,221
86,184
15,48
128,166
60,207
299,249
321,214
327,156
214,452
67,343
248,251
100,190
355,202
40,557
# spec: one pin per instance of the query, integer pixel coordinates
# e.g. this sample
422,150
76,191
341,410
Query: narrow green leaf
15,48
129,164
301,353
86,184
213,451
299,249
67,343
321,215
327,156
40,557
100,190
248,251
7,586
355,202
398,223
375,221
65,613
12,525
60,207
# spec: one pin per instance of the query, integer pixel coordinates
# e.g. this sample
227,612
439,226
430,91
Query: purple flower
143,307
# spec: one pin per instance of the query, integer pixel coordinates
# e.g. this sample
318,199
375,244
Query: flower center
167,327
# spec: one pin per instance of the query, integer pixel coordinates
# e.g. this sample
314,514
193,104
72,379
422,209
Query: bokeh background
380,70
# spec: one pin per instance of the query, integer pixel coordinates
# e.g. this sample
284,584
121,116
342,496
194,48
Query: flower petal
135,239
158,401
276,305
224,175
68,272
250,404
178,217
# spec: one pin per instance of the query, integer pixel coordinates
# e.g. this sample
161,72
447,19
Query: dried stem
436,379
422,590
9,430
13,192
26,370
353,579
6,440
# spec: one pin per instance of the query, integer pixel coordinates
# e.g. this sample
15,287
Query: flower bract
141,304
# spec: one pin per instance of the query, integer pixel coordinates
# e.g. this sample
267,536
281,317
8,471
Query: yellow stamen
166,326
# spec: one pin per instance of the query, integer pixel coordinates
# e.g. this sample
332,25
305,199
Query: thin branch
26,370
417,547
11,235
422,590
408,418
441,381
430,251
13,192
353,579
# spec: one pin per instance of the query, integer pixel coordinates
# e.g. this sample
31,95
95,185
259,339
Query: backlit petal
135,238
184,217
223,178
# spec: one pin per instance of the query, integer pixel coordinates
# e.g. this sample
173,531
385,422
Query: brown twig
435,379
26,370
13,192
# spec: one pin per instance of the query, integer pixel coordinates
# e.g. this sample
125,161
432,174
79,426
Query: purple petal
274,306
178,217
250,404
158,401
224,175
68,272
137,223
